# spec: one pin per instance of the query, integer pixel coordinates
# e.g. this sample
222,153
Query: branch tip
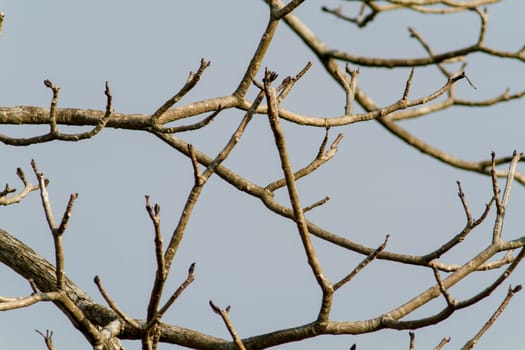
215,308
191,269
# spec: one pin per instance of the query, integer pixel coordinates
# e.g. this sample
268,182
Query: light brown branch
316,204
57,232
113,305
161,273
54,113
17,303
442,343
299,218
255,62
412,340
501,203
367,260
28,188
450,301
289,82
319,160
194,126
472,342
200,180
47,338
225,315
193,79
177,293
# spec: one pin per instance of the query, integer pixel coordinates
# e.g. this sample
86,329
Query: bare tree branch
28,188
47,338
225,315
472,342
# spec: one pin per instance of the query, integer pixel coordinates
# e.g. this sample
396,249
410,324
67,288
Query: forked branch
225,315
5,195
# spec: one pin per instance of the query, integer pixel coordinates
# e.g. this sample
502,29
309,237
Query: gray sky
246,257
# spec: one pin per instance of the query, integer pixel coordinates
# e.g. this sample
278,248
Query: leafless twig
225,315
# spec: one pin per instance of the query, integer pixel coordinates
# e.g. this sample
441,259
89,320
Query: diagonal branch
113,305
225,315
193,79
511,292
28,188
367,260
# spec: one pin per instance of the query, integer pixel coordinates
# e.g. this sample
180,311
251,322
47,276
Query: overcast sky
246,257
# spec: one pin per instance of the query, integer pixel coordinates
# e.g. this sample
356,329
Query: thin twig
225,315
501,203
367,260
28,188
21,302
350,93
189,279
316,204
113,305
320,159
313,261
193,79
201,179
161,273
442,343
56,232
52,110
194,126
450,301
289,84
472,342
47,338
412,336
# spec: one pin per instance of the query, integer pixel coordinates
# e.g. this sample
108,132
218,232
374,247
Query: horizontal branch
17,303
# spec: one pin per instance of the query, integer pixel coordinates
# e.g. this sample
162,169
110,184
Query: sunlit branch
21,302
7,199
225,315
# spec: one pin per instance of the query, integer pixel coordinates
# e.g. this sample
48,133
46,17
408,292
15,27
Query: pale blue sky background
246,257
